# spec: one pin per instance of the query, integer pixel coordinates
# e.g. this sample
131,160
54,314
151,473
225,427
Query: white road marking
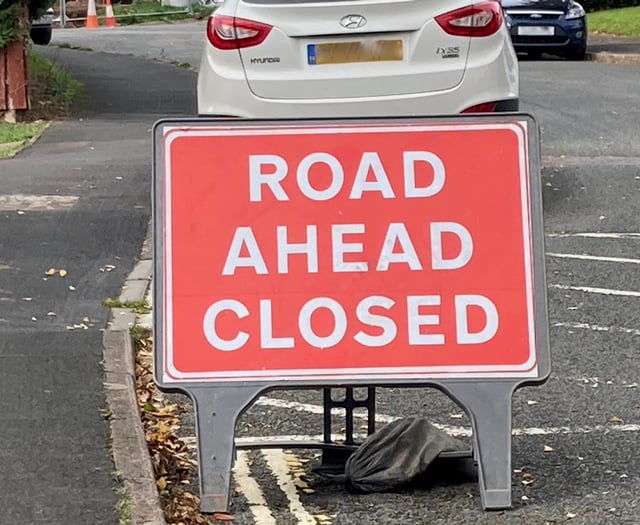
594,235
251,490
593,258
312,409
598,328
21,202
278,464
602,291
460,432
451,429
561,161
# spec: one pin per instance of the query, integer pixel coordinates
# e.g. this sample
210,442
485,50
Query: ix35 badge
448,52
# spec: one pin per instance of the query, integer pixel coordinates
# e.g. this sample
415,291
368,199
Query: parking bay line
593,258
595,235
563,161
602,291
191,441
597,328
457,431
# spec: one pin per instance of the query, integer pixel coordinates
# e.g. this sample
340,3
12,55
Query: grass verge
141,306
52,91
13,137
622,22
143,11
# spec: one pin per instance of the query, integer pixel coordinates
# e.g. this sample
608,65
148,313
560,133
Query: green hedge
599,5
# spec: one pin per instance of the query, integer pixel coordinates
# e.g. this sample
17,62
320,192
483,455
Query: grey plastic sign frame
487,400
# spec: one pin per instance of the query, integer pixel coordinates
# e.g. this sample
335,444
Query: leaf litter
171,457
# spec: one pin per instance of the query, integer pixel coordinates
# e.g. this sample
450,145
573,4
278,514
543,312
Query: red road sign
383,251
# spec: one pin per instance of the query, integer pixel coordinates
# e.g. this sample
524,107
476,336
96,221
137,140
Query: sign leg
217,410
489,407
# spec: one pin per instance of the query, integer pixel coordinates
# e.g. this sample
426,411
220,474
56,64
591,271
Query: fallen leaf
161,483
223,516
167,410
62,273
615,420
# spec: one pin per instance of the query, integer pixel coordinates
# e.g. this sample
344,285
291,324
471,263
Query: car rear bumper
229,95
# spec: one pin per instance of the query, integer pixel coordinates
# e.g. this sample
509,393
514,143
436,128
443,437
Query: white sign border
171,375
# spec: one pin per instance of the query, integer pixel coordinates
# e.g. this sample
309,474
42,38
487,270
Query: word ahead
386,251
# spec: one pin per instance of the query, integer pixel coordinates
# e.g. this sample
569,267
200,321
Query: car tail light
485,107
482,19
229,32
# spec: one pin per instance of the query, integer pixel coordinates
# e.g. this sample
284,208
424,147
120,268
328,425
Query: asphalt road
576,453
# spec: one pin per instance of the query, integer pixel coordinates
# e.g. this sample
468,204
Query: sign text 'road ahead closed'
388,251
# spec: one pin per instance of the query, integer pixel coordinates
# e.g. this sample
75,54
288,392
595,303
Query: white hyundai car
345,58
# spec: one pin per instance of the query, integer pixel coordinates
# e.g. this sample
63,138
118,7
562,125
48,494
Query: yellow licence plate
349,52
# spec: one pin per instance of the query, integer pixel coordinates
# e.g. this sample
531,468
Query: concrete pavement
78,201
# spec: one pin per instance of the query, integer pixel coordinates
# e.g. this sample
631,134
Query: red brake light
229,32
485,107
482,19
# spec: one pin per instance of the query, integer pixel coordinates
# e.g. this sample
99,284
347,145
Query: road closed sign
385,251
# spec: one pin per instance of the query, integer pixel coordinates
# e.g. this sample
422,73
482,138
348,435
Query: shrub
16,16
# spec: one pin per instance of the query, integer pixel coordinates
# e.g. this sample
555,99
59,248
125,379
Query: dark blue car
558,27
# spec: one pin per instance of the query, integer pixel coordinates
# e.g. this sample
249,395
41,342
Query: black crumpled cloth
396,455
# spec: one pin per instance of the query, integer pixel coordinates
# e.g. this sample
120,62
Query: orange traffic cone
92,16
111,19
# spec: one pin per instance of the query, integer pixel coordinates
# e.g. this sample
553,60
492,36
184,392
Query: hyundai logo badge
353,21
